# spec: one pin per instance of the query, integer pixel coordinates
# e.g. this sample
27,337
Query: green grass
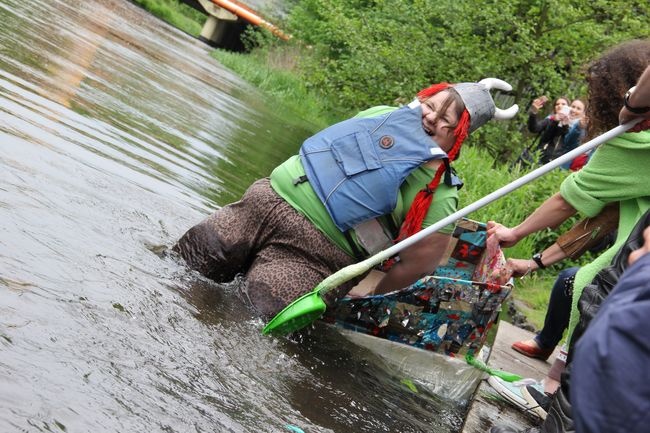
531,296
284,86
175,13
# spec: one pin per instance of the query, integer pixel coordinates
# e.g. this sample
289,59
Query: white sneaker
513,392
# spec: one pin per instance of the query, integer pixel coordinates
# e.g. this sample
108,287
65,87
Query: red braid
418,210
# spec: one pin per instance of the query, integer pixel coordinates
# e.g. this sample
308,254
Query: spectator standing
551,128
573,137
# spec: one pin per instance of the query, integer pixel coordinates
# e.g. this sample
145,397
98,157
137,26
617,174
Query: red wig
418,210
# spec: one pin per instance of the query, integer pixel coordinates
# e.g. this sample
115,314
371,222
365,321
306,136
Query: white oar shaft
357,269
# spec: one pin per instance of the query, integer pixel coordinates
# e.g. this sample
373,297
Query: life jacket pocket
355,153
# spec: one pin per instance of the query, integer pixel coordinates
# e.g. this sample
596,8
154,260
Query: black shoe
538,399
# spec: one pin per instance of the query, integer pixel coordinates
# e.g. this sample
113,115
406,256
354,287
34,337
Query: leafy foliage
283,87
367,52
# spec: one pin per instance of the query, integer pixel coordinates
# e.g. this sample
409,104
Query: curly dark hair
609,78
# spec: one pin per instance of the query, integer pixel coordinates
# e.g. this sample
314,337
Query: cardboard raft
450,312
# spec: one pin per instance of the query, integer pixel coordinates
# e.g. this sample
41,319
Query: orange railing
250,15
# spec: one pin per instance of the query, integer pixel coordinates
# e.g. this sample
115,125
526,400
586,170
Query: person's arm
416,261
589,232
534,125
423,257
522,267
583,236
553,212
638,99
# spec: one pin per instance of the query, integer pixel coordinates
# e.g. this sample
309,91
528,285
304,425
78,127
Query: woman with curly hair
616,173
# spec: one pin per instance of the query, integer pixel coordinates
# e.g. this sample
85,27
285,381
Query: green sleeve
612,174
375,111
615,173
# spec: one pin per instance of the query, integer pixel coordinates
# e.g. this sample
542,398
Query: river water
118,133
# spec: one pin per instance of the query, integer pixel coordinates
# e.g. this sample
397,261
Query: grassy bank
531,297
273,73
175,13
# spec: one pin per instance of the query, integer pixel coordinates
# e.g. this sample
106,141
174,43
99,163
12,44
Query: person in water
354,188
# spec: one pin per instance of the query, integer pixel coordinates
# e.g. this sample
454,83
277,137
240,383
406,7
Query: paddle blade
298,314
310,306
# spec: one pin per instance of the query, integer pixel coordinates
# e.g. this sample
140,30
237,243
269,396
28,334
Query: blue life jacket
357,166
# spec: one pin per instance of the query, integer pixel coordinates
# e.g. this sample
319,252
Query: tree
368,52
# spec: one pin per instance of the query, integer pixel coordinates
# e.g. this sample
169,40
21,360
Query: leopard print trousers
280,252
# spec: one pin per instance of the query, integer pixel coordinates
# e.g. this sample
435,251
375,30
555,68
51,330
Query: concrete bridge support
222,28
227,20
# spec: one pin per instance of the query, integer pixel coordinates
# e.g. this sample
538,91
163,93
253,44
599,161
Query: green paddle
310,306
508,377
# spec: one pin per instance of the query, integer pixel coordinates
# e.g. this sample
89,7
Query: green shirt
615,173
303,198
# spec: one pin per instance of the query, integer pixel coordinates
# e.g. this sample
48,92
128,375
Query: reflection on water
117,133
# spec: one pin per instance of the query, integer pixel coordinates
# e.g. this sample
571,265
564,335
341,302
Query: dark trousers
559,310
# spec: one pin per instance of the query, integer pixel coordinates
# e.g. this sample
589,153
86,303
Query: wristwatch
537,258
635,110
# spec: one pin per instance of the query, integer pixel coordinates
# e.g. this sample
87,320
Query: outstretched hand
503,234
538,103
518,267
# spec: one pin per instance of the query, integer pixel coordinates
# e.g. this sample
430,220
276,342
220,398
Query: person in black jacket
551,129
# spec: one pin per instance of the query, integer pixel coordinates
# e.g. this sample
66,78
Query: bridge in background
226,21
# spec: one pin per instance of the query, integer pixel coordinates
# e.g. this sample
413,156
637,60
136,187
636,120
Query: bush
368,52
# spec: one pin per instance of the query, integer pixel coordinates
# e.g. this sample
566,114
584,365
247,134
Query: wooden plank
486,410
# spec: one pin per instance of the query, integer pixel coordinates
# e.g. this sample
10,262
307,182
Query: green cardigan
615,173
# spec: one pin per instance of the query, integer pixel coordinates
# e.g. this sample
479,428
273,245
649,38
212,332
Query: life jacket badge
386,142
